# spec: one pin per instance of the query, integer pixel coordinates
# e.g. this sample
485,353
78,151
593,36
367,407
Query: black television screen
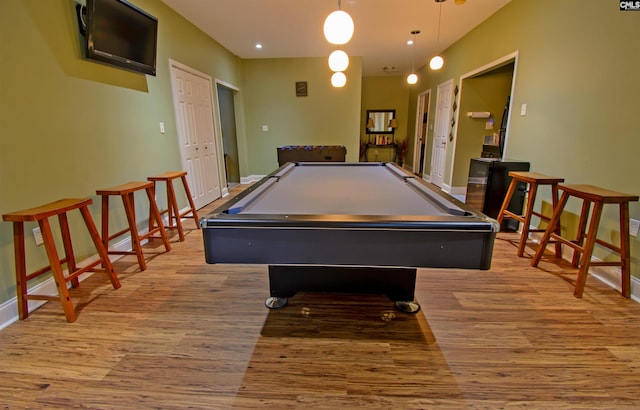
120,34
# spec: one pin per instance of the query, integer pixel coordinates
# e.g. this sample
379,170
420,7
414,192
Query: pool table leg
407,306
398,284
275,302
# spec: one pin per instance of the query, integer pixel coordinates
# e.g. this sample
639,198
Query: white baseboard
9,309
606,274
251,178
609,275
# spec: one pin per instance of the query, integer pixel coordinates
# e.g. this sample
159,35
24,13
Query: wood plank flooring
185,334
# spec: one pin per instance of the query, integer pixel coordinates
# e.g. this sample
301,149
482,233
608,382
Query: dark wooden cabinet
487,186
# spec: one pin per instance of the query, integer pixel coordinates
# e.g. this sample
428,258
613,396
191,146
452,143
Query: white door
192,93
441,133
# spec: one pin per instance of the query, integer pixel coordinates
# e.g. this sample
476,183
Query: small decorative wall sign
301,88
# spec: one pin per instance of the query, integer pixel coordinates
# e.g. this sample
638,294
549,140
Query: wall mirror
377,121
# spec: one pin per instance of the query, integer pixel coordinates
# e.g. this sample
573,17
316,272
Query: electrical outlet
634,226
37,235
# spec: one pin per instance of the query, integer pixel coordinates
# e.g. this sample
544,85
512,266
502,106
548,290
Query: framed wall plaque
301,88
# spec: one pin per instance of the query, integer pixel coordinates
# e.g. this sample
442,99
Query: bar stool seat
584,243
127,191
533,180
41,215
172,211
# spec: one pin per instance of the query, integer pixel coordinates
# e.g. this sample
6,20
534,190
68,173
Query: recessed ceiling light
258,45
409,42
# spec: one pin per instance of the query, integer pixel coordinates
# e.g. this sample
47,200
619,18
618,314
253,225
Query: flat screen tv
120,34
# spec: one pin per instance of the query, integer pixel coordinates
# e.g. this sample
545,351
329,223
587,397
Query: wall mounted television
120,34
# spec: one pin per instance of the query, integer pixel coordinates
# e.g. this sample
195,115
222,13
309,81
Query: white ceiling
294,28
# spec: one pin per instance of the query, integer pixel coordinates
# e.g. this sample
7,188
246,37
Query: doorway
487,91
422,122
192,101
229,134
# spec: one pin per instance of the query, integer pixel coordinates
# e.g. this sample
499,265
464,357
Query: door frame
218,124
214,111
504,60
423,103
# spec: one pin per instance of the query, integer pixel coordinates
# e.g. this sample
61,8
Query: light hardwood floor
185,334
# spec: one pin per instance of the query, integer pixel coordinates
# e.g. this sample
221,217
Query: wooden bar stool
598,196
172,204
533,179
41,215
127,191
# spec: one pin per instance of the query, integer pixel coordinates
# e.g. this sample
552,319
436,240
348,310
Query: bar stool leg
130,212
190,199
68,247
507,199
105,223
554,204
554,224
102,251
21,270
588,250
152,221
56,270
625,269
582,228
533,188
173,210
155,214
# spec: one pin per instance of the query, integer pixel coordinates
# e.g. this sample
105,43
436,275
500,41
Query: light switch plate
523,109
634,226
37,236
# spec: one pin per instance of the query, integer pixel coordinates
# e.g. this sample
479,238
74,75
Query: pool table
347,227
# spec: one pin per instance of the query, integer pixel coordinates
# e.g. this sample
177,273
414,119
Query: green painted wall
71,126
577,72
326,116
389,92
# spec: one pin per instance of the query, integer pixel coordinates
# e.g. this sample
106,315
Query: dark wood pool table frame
348,253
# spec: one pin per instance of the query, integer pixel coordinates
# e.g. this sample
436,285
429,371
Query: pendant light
437,62
338,60
338,79
338,27
413,77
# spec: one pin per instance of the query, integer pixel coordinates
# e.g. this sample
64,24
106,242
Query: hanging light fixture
338,60
437,62
338,27
338,79
413,77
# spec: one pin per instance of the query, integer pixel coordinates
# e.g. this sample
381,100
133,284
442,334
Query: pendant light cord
413,62
439,18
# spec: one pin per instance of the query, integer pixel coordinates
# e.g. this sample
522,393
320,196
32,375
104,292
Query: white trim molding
608,275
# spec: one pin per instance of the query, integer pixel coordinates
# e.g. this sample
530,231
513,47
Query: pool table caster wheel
274,302
410,306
